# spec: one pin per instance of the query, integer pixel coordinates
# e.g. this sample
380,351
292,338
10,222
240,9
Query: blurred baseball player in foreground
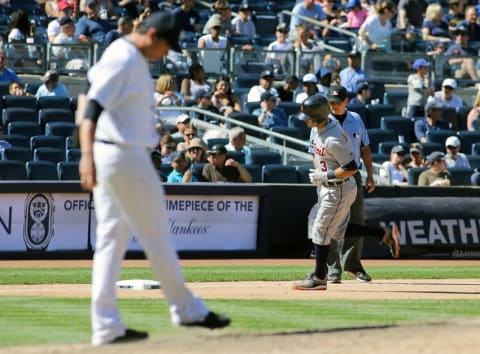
117,129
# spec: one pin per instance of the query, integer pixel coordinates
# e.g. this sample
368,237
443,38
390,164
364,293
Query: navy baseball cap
362,85
267,95
435,156
398,149
166,26
420,63
266,73
217,149
337,93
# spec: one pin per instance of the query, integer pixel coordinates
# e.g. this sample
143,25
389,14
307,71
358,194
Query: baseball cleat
363,277
334,279
311,284
130,336
211,321
392,240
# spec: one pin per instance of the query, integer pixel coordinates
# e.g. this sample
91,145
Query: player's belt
336,183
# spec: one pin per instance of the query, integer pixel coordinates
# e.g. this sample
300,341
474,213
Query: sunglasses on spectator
448,88
195,149
171,147
190,134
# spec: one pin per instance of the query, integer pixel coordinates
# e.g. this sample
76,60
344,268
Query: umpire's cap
166,26
314,107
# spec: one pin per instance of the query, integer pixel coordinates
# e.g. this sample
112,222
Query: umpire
352,247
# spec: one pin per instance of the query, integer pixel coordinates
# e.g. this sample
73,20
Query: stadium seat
266,24
32,87
294,122
380,158
288,131
73,154
68,170
18,114
165,169
377,89
237,156
255,171
289,107
54,102
400,125
248,119
16,140
49,115
361,110
439,136
376,136
428,148
413,174
27,129
468,138
216,141
251,106
278,173
461,175
475,149
64,129
20,101
385,147
38,141
197,169
73,103
302,173
13,170
450,115
17,153
376,112
462,113
265,157
49,154
397,99
474,161
476,125
41,170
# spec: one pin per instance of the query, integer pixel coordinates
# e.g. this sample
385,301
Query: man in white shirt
447,94
53,28
265,84
307,8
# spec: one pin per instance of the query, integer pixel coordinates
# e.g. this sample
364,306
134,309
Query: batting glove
317,177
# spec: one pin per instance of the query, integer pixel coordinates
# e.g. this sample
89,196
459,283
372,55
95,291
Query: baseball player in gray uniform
117,128
335,165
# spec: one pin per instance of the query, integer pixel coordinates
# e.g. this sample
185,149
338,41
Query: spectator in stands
353,72
470,23
409,44
53,7
166,91
333,17
51,86
223,99
416,156
187,17
269,115
66,36
196,151
265,84
221,169
180,173
356,14
474,113
454,157
420,87
304,45
19,27
106,10
432,120
437,175
6,74
447,94
88,28
53,28
364,92
213,40
411,13
396,172
375,32
180,122
204,102
309,87
189,132
277,48
455,14
124,27
434,28
460,55
223,16
167,148
16,88
237,142
242,23
286,92
307,8
195,82
167,5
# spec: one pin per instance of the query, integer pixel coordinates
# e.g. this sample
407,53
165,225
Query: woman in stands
189,133
19,28
165,91
304,44
434,27
474,114
376,31
195,82
333,16
223,99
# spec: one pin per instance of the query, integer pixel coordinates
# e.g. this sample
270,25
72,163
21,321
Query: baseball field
412,306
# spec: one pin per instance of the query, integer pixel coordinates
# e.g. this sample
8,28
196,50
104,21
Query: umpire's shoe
130,336
211,321
311,283
392,240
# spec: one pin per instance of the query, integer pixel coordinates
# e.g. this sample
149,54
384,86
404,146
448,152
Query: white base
138,284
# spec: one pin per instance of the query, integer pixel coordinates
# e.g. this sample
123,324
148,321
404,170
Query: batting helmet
316,108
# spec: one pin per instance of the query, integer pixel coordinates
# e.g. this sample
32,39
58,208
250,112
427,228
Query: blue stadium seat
197,169
376,136
292,132
237,156
475,149
18,114
461,175
439,136
32,87
361,110
49,115
27,129
400,125
289,107
38,141
13,170
248,119
278,173
17,153
468,138
49,154
294,122
41,170
413,174
266,24
73,103
54,102
450,115
474,161
215,141
302,173
428,147
73,154
397,99
385,147
376,112
265,157
16,140
19,101
380,158
251,106
255,171
68,170
60,128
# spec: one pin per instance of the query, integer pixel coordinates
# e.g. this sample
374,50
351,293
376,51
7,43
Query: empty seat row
38,170
29,129
9,101
51,154
42,117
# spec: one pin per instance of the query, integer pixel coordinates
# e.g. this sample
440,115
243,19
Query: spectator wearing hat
53,7
180,122
460,55
470,23
223,16
437,175
66,36
420,87
411,13
269,115
434,28
237,142
307,8
455,14
242,23
221,169
265,84
309,87
325,79
356,14
376,31
363,91
416,156
213,40
223,99
51,86
64,9
408,43
204,102
276,50
124,27
353,72
180,173
286,91
432,120
447,94
6,74
454,157
196,152
394,169
187,17
474,113
88,28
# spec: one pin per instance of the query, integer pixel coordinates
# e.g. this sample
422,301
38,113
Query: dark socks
321,254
